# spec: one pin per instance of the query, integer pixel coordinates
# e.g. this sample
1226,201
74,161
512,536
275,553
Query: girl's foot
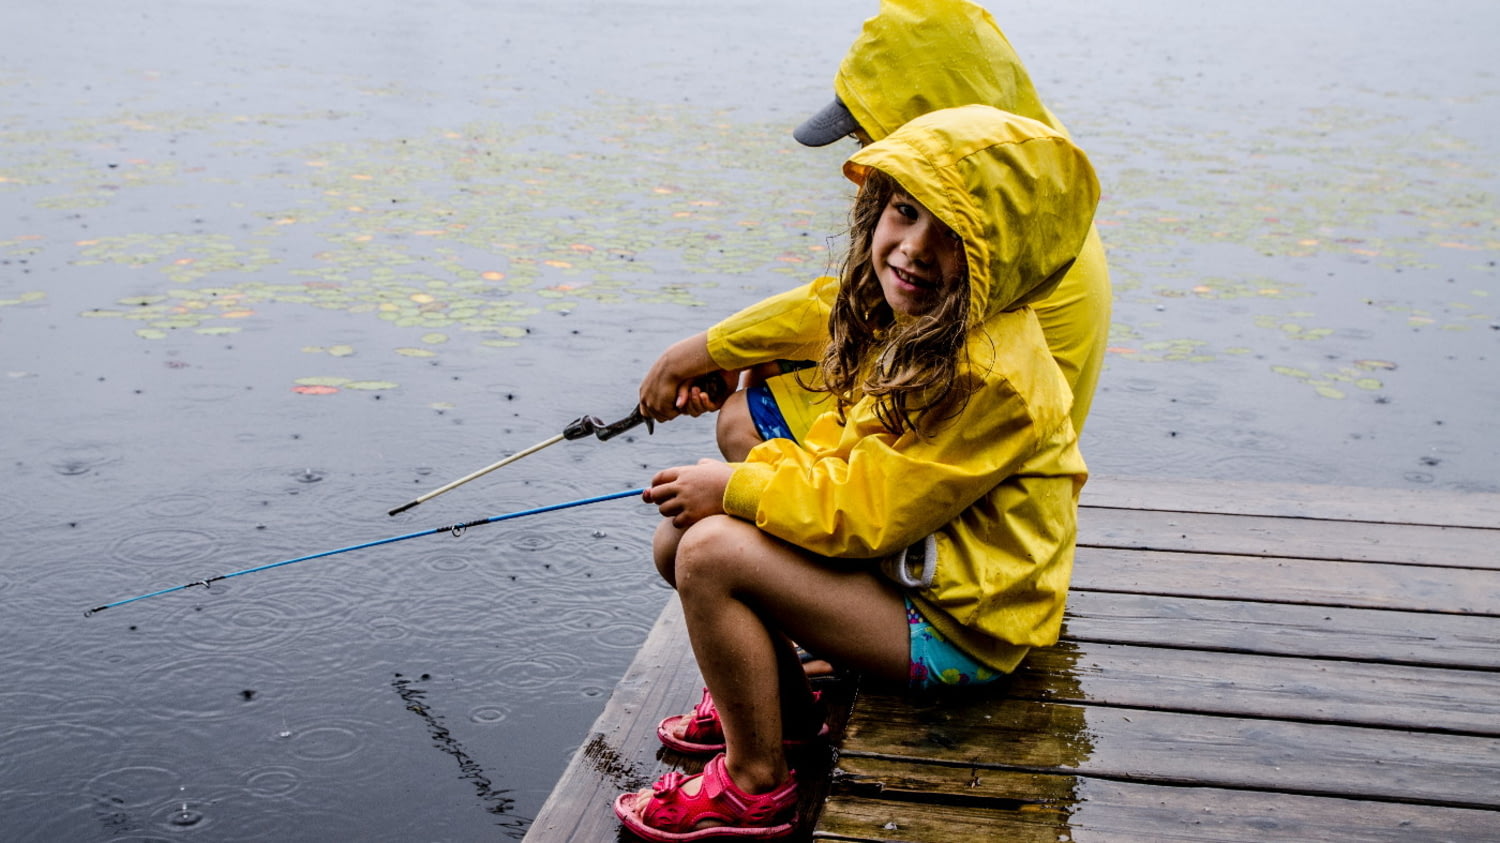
686,808
701,733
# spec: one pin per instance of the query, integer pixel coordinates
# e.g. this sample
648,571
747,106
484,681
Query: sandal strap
719,800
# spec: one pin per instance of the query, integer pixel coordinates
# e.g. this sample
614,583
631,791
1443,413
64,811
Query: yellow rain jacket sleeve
997,486
913,57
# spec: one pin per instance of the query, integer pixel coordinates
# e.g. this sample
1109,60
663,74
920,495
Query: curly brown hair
910,367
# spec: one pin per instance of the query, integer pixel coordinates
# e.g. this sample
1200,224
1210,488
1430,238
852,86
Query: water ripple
1257,441
204,688
262,621
134,786
535,671
330,742
26,750
210,392
82,458
489,714
620,636
181,505
272,782
532,541
165,546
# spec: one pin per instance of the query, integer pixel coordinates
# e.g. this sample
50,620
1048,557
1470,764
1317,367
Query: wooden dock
1240,662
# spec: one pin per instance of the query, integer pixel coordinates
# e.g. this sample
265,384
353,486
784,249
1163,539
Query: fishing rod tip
94,611
402,508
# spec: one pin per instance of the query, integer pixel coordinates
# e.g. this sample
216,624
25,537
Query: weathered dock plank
1129,812
1307,631
1255,535
1239,685
1435,507
1369,585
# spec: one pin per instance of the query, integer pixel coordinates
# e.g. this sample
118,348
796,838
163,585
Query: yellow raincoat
997,486
913,57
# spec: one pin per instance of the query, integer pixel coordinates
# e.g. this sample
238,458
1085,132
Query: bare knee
706,552
735,429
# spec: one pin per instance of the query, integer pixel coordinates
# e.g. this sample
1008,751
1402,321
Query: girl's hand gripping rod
713,384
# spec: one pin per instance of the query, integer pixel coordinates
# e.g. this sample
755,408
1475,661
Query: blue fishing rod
455,529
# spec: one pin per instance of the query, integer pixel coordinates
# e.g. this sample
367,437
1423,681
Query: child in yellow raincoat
914,56
923,531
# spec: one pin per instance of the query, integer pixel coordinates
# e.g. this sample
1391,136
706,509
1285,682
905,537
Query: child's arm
791,325
787,326
667,391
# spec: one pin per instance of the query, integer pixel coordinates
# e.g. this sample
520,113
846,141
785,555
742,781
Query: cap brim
827,126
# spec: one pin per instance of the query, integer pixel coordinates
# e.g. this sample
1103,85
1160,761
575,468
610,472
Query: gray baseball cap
827,126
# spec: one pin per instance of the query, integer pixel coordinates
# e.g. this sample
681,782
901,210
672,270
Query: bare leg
742,591
735,429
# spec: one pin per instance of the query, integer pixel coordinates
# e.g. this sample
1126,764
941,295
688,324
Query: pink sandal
669,815
701,733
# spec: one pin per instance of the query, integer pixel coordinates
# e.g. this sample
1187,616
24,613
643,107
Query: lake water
270,269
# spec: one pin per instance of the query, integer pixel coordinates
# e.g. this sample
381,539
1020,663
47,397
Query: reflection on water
274,268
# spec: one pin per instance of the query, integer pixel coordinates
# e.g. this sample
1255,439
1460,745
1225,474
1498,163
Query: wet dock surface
1239,661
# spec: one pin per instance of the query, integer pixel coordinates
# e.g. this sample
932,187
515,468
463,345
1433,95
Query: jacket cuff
720,348
742,495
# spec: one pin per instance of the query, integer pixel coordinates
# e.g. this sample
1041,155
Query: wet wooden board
1391,637
1077,808
1273,579
1240,662
1239,685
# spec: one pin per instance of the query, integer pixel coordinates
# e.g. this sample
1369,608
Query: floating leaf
151,334
341,350
415,352
370,385
1329,392
322,381
315,389
434,338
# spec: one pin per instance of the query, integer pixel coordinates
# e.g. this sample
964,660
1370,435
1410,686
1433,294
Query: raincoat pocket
913,567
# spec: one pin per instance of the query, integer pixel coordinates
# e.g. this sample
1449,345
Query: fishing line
456,529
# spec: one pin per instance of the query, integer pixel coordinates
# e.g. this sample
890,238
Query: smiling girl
923,533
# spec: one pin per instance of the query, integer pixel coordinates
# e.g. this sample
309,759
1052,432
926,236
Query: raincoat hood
1018,192
917,56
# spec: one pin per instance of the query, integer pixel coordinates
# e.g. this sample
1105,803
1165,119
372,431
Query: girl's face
915,256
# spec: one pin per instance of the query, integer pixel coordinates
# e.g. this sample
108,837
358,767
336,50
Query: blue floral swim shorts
769,421
935,662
